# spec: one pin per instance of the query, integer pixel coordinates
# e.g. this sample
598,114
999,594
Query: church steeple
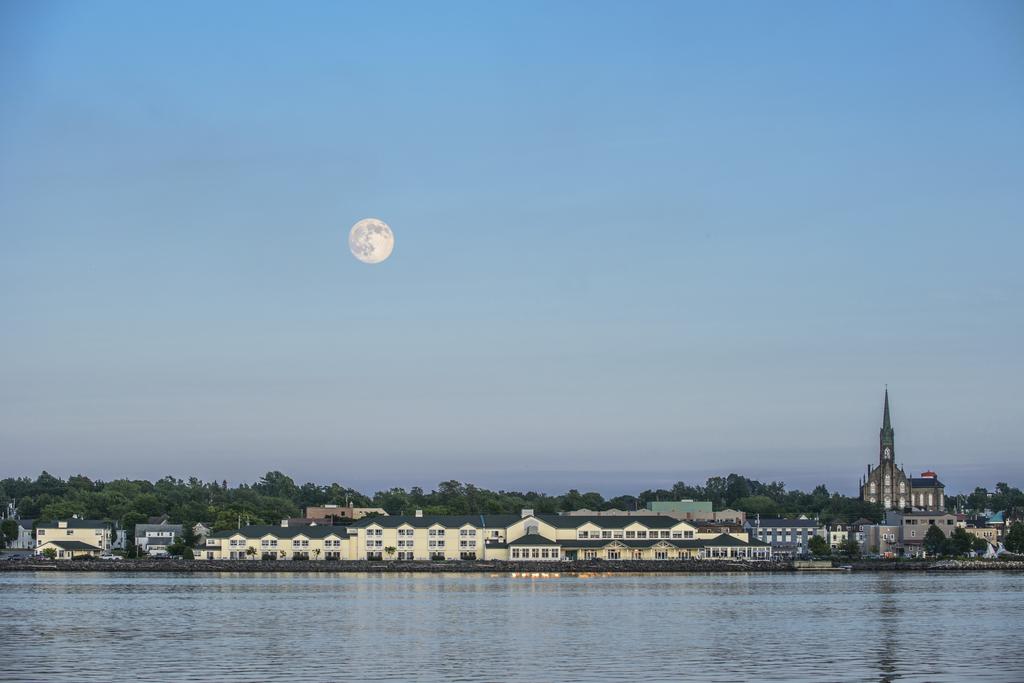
886,445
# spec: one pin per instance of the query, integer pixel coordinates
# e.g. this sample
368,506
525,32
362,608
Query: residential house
153,539
73,537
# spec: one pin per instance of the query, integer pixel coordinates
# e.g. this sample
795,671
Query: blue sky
633,244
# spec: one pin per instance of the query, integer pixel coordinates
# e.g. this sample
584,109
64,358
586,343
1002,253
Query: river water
463,627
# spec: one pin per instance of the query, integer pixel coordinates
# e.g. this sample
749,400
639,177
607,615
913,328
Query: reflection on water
499,627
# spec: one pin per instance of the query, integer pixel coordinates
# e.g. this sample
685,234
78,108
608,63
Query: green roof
682,506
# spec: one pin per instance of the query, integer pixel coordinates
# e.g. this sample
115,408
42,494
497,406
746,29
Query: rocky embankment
937,565
460,566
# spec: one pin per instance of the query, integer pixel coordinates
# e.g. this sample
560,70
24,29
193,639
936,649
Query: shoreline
501,567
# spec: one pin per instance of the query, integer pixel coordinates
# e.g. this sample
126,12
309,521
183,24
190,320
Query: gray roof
74,545
259,530
533,539
926,483
158,541
26,523
753,523
141,529
720,541
505,521
448,521
76,524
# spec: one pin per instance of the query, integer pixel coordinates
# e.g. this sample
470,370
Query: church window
903,486
872,490
930,500
888,479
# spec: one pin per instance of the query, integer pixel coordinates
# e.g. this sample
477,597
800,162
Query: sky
635,243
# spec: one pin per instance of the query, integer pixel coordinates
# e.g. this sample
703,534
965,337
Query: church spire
886,435
886,423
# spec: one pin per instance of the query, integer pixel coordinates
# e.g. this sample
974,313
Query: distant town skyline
634,245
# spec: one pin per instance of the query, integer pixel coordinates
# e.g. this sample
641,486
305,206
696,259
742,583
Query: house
73,537
787,537
153,539
838,534
25,540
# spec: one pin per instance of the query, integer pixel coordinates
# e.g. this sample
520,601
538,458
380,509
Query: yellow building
73,537
545,537
486,537
267,542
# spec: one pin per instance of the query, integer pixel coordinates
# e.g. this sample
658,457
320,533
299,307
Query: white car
110,557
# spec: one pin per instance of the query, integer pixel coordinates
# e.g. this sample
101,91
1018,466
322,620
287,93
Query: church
890,486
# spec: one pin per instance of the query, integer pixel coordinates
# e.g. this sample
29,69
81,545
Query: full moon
371,240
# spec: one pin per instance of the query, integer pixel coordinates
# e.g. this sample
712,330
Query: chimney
526,512
419,513
284,522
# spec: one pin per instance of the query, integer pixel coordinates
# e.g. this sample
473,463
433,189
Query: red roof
929,473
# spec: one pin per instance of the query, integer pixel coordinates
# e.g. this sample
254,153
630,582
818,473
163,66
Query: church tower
886,484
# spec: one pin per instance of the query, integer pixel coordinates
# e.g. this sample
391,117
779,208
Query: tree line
276,496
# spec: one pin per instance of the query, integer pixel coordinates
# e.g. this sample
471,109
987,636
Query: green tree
960,542
251,551
8,532
935,541
979,545
1015,538
188,535
50,553
757,505
390,551
818,546
850,547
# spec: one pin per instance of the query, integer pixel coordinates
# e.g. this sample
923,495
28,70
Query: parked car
110,557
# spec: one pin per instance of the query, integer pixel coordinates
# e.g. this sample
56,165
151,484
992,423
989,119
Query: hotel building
541,537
